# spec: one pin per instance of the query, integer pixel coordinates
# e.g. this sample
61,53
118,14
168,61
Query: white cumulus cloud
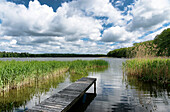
39,29
149,14
40,20
117,34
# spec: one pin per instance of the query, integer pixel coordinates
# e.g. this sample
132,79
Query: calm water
115,91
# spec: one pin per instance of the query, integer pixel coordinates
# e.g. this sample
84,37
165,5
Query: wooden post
95,87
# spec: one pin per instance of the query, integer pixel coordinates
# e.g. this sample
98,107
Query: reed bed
16,98
149,69
15,74
80,68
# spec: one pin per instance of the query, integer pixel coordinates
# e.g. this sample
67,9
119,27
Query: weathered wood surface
66,98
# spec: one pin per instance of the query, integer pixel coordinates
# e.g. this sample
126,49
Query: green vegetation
151,69
14,74
160,46
163,43
122,52
143,49
80,68
146,65
15,54
16,98
17,73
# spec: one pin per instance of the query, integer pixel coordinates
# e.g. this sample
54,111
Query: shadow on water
15,98
83,102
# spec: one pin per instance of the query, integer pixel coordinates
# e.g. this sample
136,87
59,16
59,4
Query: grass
15,74
149,69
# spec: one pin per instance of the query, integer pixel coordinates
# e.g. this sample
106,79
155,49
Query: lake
115,91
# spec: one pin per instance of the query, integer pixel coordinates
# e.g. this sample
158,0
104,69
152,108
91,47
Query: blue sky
79,26
51,3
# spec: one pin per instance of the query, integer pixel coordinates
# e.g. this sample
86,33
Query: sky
79,26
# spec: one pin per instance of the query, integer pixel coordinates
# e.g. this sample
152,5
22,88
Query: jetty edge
66,98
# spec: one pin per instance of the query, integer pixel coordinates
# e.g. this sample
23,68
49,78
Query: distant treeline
160,46
15,54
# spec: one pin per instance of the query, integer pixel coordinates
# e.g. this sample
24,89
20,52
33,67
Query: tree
163,42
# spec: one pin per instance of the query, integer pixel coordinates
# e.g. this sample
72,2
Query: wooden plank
66,98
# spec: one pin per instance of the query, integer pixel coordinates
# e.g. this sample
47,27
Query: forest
15,54
160,46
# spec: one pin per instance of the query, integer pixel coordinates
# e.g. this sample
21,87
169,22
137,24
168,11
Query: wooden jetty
66,98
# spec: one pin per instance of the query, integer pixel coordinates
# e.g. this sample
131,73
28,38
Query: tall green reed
149,69
14,74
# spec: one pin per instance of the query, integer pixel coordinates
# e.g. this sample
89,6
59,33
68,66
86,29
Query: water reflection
118,93
75,77
151,96
153,89
15,98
